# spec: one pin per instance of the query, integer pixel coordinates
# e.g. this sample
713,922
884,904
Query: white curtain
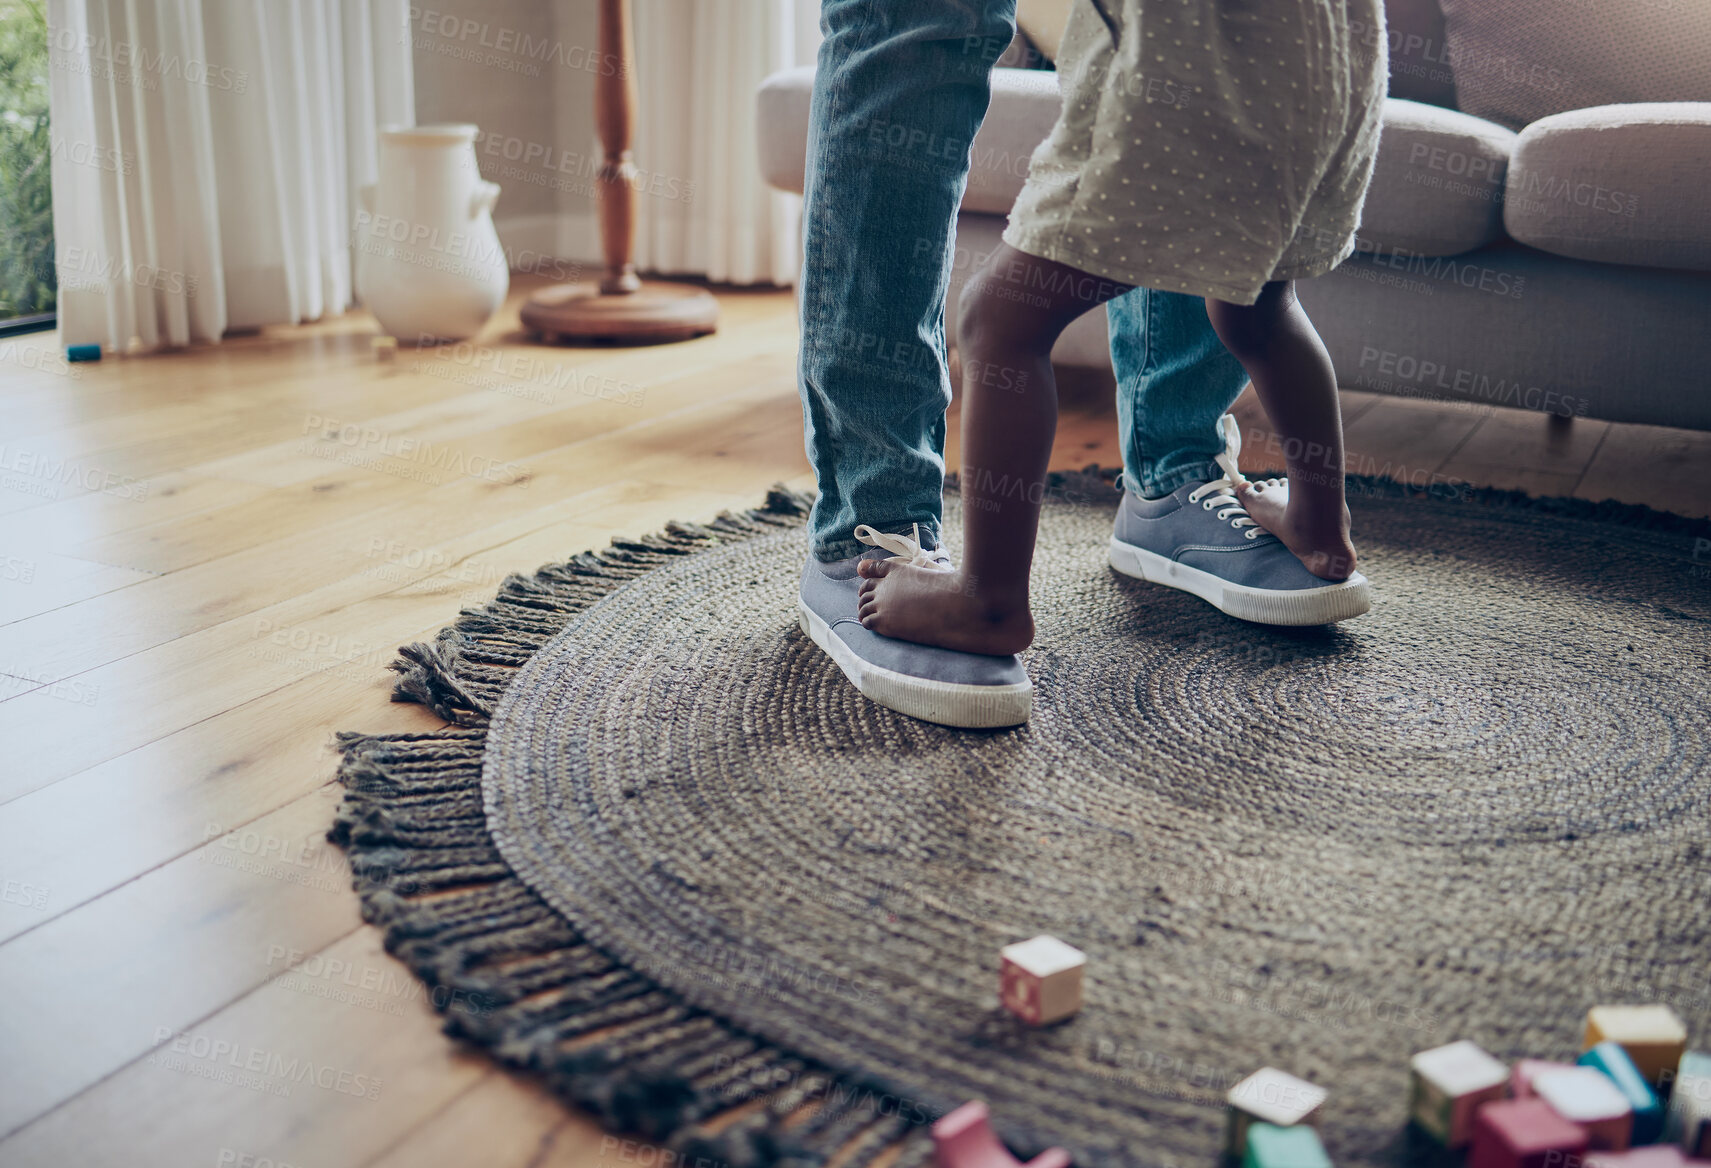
703,207
207,157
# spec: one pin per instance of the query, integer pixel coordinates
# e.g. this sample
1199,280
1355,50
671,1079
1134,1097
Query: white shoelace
1220,494
903,547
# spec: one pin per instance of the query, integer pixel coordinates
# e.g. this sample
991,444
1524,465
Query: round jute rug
676,864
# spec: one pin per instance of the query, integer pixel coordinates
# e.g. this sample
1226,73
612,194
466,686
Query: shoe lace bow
906,548
1220,493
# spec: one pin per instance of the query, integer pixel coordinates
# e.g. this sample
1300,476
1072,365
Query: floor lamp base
655,312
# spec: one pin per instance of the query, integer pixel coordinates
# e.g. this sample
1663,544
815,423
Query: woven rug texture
678,867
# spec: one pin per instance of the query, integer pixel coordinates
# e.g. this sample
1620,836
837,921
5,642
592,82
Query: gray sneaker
1200,538
968,690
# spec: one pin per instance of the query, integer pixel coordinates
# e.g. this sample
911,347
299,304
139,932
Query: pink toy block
1524,1133
1592,1100
1039,981
1651,1156
964,1139
1528,1069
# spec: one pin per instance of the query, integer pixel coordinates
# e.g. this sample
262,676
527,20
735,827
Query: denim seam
1181,478
837,95
1148,484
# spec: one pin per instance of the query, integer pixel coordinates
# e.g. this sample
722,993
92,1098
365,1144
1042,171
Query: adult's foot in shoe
936,607
1321,542
934,684
1200,539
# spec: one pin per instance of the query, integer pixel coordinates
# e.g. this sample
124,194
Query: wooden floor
206,561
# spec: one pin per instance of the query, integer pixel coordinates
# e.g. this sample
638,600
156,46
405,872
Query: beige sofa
1538,231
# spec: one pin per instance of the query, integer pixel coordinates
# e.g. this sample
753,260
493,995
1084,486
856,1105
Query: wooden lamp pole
619,307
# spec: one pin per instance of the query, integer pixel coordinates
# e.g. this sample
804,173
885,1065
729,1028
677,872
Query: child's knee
1247,328
979,310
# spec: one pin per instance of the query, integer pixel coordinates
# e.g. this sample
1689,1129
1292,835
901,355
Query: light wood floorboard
206,561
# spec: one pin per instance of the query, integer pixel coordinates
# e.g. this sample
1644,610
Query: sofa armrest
1024,107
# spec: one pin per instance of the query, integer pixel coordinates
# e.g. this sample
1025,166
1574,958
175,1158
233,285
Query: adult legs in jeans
900,91
1175,380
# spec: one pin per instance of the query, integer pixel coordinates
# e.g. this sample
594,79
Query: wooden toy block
1654,1156
1652,1035
1039,981
1612,1061
1587,1097
964,1139
1526,1070
385,348
1446,1086
1524,1133
1268,1096
1688,1123
1270,1146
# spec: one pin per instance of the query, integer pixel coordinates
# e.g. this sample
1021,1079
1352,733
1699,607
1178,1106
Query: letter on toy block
1039,981
1446,1086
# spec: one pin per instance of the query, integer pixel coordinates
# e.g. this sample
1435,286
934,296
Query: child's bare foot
937,607
1319,540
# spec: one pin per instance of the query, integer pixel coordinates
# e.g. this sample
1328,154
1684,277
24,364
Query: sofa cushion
1024,106
1622,184
1516,61
1437,187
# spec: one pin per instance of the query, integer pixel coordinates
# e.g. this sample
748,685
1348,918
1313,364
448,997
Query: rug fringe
510,975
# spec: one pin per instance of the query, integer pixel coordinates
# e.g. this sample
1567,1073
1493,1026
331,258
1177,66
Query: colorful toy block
1446,1086
1688,1123
1270,1146
1268,1096
1523,1133
1526,1070
964,1139
83,352
1039,981
1652,1156
1652,1035
1612,1061
1589,1098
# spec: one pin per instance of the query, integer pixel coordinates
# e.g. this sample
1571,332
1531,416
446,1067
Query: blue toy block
1270,1146
83,352
1610,1058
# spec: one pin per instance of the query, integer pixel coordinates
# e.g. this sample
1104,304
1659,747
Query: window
28,287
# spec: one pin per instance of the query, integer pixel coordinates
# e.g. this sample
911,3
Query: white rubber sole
1304,606
967,707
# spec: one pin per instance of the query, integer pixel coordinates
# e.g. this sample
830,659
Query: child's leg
1292,373
1012,312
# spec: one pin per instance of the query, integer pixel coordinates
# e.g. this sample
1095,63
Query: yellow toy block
1652,1035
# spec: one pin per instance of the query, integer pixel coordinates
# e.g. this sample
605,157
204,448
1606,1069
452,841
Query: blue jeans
901,88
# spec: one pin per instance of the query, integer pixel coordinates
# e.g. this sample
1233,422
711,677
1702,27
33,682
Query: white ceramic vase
428,262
